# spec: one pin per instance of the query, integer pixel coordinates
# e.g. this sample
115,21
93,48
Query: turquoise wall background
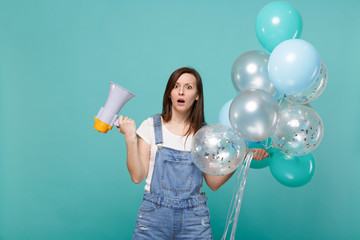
60,179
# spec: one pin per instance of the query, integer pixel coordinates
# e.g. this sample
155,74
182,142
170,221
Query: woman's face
184,93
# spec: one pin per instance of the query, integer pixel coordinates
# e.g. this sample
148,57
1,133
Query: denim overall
175,208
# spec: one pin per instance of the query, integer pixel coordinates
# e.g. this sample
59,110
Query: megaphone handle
116,123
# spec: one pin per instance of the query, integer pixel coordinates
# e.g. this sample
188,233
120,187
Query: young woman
173,205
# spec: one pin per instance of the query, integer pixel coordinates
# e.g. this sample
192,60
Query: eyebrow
185,83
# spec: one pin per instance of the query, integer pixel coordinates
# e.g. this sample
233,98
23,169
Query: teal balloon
277,22
291,171
250,144
294,66
262,144
259,164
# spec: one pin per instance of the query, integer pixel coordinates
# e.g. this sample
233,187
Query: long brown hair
196,117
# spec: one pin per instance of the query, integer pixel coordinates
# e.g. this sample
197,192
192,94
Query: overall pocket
177,176
200,211
147,206
146,217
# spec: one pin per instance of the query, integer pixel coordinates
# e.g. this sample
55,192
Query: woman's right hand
127,127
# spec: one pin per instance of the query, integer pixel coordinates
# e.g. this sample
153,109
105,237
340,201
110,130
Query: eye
189,87
175,86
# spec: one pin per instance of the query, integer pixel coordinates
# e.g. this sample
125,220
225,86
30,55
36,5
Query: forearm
215,182
134,164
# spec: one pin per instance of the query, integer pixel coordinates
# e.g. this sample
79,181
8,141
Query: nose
181,91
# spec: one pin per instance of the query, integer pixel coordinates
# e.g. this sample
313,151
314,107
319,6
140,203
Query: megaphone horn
108,115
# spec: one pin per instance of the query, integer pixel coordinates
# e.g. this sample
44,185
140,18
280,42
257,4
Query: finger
259,154
256,155
263,154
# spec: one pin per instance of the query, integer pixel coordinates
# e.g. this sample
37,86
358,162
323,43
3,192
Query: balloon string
266,144
281,99
236,203
240,194
232,207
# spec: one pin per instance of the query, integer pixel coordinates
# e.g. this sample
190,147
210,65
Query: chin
181,110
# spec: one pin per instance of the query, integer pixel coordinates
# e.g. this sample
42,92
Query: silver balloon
312,92
250,71
299,132
217,149
254,113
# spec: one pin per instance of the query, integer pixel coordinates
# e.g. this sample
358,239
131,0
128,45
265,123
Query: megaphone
108,115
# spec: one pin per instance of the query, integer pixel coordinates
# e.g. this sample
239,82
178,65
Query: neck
179,118
178,124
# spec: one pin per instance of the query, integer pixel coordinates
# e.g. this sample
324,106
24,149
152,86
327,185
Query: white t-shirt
147,133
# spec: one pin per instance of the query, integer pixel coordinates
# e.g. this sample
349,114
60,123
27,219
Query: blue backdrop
60,179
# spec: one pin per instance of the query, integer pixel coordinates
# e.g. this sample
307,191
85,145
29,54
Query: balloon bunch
291,70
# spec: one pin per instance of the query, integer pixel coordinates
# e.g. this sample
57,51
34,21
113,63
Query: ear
197,98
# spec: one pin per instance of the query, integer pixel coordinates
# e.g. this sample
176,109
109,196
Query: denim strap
157,129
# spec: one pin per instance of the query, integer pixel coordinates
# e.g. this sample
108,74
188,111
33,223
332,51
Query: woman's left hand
259,154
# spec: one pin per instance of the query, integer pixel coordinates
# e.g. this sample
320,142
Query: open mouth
181,101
